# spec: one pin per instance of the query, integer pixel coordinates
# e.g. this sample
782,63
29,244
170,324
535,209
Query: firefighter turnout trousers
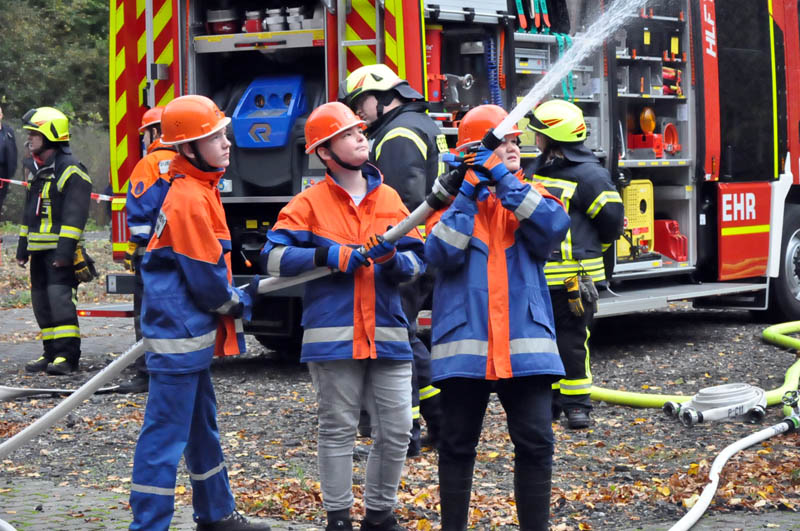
53,292
180,420
572,336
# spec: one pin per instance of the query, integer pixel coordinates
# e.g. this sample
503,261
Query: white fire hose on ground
719,403
787,425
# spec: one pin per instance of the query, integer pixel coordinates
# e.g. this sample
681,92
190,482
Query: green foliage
55,52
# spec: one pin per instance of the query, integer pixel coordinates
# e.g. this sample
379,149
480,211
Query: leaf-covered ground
633,468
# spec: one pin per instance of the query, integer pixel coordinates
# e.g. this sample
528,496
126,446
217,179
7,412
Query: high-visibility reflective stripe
148,489
414,260
140,230
465,346
391,333
530,345
70,232
528,205
555,386
204,476
557,272
46,224
428,391
23,231
43,237
47,334
238,325
327,333
609,196
570,387
414,412
180,345
69,172
403,132
225,308
41,246
557,183
459,240
274,261
66,331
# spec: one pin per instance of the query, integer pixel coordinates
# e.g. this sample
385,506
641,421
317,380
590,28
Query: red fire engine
691,105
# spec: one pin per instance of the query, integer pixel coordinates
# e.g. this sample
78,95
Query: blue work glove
345,259
379,250
484,158
248,297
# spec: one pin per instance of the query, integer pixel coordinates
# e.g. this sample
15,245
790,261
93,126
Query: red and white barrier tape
96,197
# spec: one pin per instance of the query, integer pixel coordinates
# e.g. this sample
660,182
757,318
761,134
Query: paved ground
47,503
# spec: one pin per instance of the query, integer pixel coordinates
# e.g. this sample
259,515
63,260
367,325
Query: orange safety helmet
327,121
189,118
151,117
477,122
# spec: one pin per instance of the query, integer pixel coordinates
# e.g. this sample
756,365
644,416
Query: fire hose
787,425
444,189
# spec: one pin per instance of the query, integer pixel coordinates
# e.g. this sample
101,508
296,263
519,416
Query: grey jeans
384,388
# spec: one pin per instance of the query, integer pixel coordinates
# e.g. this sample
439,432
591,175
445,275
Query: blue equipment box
267,110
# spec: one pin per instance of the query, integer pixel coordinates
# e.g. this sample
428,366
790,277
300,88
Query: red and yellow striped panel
404,41
128,76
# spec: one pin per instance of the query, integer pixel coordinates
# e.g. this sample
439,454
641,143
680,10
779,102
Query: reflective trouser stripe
148,489
66,331
414,412
428,392
204,476
576,387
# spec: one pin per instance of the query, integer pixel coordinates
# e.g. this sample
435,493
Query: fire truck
691,105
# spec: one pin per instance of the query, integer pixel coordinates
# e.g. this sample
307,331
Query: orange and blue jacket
186,269
492,317
355,316
147,187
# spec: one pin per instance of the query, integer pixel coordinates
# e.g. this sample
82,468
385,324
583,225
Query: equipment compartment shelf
651,97
652,163
238,42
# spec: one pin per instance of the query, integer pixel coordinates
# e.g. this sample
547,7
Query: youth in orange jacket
492,328
188,316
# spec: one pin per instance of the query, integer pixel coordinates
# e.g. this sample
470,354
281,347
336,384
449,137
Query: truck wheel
784,299
285,348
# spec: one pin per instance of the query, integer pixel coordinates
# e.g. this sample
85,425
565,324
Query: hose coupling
690,416
671,409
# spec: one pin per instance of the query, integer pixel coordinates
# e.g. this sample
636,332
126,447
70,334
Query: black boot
234,522
61,366
532,495
339,521
138,384
414,446
577,418
37,365
455,486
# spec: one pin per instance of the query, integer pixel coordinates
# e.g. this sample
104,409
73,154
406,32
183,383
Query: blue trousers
180,419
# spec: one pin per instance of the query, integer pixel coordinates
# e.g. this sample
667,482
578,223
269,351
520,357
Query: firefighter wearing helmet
190,312
55,213
492,325
355,338
405,145
570,171
147,187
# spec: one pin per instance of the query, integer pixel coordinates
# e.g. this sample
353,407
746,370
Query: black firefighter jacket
405,145
595,210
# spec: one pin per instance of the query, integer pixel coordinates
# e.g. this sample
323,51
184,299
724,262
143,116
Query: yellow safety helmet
49,122
559,120
374,78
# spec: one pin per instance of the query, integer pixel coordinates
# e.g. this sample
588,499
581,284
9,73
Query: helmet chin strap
384,99
342,163
198,161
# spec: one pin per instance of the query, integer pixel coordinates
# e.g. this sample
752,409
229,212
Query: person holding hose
405,145
355,337
492,323
571,172
147,187
190,313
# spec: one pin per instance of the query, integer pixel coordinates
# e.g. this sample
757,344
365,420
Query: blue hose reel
267,111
